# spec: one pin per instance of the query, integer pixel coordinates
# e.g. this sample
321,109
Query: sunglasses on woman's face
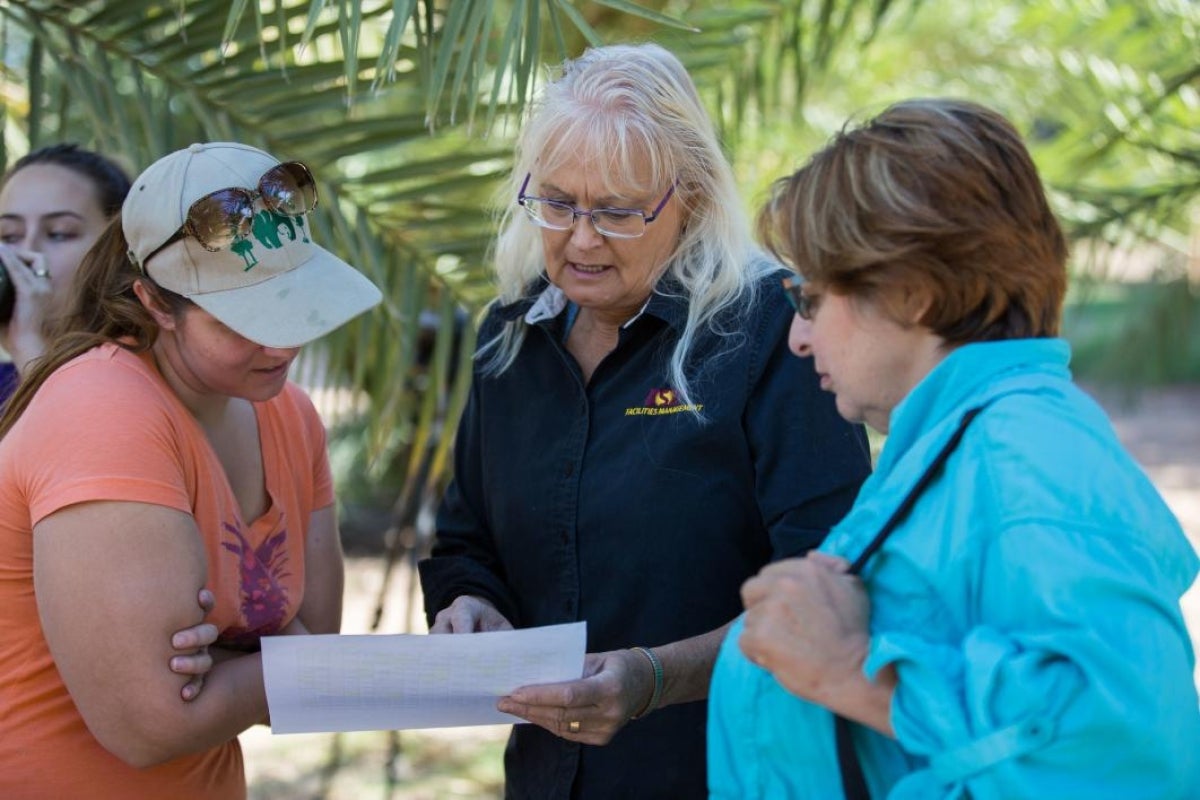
221,218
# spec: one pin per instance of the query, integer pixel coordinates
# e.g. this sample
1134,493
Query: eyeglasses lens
551,215
801,304
619,223
616,222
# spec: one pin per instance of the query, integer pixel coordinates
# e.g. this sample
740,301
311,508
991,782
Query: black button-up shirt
611,502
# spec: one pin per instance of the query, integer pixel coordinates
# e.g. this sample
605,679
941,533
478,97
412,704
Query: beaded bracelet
656,695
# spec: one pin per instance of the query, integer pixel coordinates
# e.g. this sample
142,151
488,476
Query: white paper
392,682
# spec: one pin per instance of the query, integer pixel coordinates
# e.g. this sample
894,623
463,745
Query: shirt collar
548,305
521,306
668,302
545,301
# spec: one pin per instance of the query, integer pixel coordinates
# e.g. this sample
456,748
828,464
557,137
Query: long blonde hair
634,110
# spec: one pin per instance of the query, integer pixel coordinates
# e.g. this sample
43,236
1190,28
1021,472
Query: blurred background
406,111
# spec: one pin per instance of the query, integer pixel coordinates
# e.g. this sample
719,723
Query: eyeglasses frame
576,213
804,305
188,229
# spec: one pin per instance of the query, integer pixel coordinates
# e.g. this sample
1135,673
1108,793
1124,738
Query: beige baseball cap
274,287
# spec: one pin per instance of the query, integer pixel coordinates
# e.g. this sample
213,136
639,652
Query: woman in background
54,203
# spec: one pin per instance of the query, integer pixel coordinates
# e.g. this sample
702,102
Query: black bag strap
854,783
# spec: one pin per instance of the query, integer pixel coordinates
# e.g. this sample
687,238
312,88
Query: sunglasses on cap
225,216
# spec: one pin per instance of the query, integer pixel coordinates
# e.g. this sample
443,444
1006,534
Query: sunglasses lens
219,219
289,189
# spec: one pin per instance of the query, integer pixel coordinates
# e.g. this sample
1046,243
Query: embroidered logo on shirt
659,398
661,401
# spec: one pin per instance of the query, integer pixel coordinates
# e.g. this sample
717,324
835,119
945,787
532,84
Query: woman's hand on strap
806,624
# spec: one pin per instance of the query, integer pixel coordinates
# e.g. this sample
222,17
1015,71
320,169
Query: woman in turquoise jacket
1018,632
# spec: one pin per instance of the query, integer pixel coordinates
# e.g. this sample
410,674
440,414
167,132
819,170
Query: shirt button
566,536
570,469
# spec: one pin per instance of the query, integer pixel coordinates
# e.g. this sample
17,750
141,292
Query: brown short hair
933,198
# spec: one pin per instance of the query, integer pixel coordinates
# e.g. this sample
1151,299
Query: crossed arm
114,582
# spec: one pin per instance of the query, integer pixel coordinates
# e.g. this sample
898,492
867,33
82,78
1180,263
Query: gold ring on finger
573,726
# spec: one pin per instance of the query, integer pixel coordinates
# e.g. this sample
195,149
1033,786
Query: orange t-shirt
106,426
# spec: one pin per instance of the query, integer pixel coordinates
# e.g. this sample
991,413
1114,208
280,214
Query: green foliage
406,111
1107,93
1137,327
138,79
1113,333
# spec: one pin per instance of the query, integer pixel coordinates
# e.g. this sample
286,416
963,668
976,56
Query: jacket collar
971,376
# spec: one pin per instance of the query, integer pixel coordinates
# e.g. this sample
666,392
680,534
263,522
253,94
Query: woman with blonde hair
621,460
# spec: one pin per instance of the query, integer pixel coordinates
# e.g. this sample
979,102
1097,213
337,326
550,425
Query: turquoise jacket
1029,603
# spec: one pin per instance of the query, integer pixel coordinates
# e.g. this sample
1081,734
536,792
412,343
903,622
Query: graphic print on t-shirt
263,599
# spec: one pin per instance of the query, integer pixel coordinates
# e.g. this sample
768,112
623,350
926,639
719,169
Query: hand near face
31,282
806,624
469,614
615,686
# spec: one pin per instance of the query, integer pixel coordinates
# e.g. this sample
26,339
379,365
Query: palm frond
396,105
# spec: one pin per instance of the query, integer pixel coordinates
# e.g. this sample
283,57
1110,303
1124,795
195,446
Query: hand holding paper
402,681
